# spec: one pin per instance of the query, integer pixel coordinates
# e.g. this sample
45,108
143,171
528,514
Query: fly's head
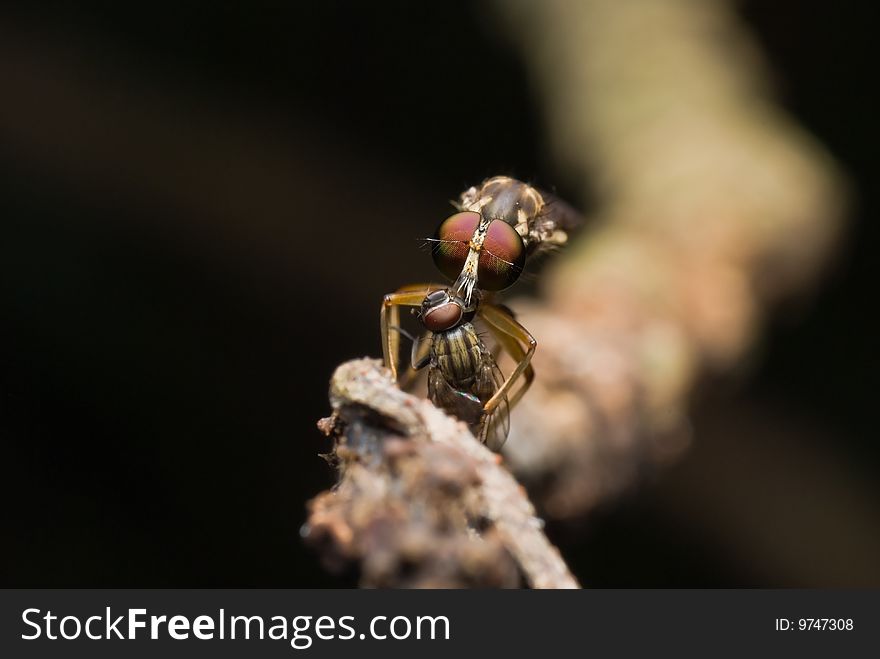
501,223
442,310
541,220
478,252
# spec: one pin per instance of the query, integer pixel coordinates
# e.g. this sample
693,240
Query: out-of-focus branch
712,205
420,502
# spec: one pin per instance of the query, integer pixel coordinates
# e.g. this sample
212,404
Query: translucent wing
559,214
461,404
495,426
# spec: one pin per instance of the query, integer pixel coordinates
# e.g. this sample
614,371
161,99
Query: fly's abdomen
457,354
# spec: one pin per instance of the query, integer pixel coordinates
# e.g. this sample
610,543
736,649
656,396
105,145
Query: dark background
202,205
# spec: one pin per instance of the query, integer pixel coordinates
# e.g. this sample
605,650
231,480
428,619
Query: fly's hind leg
408,296
517,341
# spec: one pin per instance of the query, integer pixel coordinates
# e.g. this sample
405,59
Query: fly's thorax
457,353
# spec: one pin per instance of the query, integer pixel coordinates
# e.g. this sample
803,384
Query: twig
420,502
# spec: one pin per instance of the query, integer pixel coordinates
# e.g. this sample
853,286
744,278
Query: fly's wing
495,426
562,214
460,404
555,225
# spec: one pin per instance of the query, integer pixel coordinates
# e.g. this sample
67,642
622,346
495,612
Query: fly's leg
519,343
420,357
389,319
408,296
516,351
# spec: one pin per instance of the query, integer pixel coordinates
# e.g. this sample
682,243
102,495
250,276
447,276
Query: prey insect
483,248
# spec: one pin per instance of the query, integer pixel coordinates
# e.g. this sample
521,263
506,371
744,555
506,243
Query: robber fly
483,248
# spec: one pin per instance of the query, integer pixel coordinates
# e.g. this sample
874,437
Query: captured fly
462,374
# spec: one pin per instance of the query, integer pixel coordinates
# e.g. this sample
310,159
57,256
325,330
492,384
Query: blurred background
202,205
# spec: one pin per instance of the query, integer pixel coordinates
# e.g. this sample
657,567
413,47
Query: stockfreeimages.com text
300,631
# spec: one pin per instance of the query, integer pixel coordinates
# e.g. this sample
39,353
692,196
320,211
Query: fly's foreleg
408,296
420,356
421,353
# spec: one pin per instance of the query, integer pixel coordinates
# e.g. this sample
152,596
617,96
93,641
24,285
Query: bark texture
420,502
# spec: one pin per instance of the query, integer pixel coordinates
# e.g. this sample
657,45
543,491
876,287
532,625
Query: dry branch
420,502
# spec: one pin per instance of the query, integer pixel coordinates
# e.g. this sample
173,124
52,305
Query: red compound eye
442,318
452,240
502,257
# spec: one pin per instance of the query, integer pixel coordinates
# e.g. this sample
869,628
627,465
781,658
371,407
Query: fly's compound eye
502,258
452,242
442,317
